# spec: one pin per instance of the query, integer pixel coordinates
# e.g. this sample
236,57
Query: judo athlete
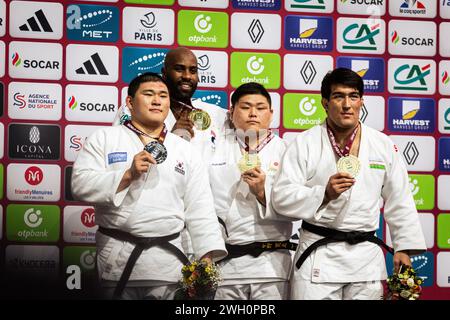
241,171
332,177
146,184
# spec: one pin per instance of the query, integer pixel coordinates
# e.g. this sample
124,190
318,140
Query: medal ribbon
259,147
191,108
162,135
346,150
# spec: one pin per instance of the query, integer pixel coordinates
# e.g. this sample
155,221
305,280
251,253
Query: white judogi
299,190
245,217
172,194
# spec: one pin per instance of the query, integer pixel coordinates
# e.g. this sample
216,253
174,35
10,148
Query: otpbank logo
263,68
257,4
203,29
323,6
79,224
308,33
212,68
444,116
371,70
36,20
443,231
219,98
413,8
361,35
423,264
444,153
92,23
220,4
35,60
302,111
84,104
162,2
413,76
92,63
148,25
412,38
411,115
136,61
32,223
444,77
422,190
82,256
40,182
362,7
74,138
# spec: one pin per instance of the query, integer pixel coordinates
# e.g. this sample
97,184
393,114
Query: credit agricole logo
263,68
203,29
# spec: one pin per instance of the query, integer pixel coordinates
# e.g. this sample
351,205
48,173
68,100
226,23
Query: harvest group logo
413,115
371,70
257,4
444,153
308,33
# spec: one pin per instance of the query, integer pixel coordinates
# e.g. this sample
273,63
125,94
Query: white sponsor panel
444,45
220,4
375,8
74,138
92,63
276,106
372,112
417,151
33,182
443,187
411,76
123,96
413,8
444,77
2,18
2,59
427,222
148,25
2,139
443,269
34,101
31,259
444,10
212,68
289,137
305,71
79,224
255,31
35,60
36,20
361,35
87,105
322,6
412,38
444,116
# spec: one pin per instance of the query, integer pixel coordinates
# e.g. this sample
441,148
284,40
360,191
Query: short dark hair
342,76
249,88
145,77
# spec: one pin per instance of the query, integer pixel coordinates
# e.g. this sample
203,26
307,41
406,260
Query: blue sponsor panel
136,61
307,33
415,115
444,153
371,71
219,98
257,4
423,264
92,23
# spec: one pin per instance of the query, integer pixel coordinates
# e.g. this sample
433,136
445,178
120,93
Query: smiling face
343,107
252,112
150,105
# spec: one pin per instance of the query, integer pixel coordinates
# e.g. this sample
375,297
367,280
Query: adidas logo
88,66
33,25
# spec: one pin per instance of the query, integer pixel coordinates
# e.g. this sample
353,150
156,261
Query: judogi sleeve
399,208
201,219
290,196
91,180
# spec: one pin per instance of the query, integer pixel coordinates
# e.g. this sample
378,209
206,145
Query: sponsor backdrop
65,65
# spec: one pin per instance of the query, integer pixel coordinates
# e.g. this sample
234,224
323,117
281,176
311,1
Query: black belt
141,244
256,248
331,235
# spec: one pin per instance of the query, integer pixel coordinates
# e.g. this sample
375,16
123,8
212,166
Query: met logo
423,264
140,60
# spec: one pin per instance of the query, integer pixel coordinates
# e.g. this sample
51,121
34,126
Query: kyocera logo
407,75
76,142
88,217
411,41
33,64
364,33
34,175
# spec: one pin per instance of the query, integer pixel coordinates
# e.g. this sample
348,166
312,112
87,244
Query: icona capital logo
407,74
357,34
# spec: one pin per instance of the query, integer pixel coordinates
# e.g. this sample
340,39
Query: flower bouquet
404,285
200,280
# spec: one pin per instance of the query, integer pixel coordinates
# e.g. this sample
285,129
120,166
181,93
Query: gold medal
200,118
249,161
349,164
